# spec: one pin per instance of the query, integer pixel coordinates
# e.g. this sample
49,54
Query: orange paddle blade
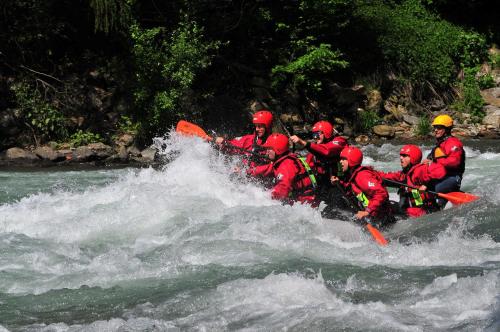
190,129
458,197
379,238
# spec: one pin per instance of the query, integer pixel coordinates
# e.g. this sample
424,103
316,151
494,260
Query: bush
485,81
126,125
306,70
83,138
423,127
470,99
46,121
368,119
166,65
419,44
495,60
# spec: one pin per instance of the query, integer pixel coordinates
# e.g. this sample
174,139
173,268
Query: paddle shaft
409,186
287,132
454,197
375,233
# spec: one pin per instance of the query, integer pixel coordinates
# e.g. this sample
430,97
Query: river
188,247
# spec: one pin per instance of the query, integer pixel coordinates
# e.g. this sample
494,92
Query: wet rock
148,154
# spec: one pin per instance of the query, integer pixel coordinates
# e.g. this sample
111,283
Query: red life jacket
375,201
413,198
303,184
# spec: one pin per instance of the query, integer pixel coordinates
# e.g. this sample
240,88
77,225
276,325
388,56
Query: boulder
347,96
93,151
384,131
491,96
148,154
47,153
398,111
82,153
134,151
492,117
125,140
101,150
18,154
362,139
411,119
122,153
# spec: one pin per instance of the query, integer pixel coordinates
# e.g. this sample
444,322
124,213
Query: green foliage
83,138
419,44
306,70
127,126
485,81
495,60
166,66
470,101
308,60
45,120
423,127
368,119
472,49
111,14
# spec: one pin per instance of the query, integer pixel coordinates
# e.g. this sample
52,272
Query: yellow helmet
443,120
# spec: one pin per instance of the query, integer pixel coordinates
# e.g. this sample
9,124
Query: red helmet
353,155
413,152
277,142
263,117
325,127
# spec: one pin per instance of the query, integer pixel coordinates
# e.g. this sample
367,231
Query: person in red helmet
294,180
364,185
324,157
450,153
263,121
415,202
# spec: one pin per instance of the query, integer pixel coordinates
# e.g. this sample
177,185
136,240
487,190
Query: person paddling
263,120
415,202
294,181
448,152
363,184
324,155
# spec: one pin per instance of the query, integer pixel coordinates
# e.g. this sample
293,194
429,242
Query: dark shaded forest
88,70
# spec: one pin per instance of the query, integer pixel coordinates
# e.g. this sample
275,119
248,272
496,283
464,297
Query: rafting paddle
455,197
190,129
375,233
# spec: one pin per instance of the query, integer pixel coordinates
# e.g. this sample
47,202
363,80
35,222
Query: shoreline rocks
94,154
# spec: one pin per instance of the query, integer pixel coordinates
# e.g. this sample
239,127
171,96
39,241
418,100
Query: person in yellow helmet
449,152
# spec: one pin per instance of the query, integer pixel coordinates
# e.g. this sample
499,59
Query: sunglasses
404,155
439,127
316,134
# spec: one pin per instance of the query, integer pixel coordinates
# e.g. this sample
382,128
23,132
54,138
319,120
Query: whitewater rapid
192,246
